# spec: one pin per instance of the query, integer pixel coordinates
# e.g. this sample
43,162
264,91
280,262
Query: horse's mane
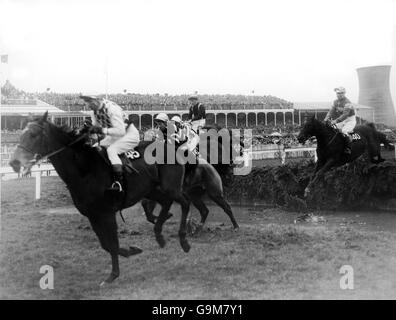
67,135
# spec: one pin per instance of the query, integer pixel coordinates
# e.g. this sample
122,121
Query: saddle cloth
127,158
354,135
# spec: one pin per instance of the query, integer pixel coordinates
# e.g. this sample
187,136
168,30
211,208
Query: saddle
354,135
127,158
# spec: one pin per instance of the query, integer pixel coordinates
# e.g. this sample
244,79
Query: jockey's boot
348,145
118,179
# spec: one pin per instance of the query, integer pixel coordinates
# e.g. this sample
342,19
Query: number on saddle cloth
132,154
355,136
127,159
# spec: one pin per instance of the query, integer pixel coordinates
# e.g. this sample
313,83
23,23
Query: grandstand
264,114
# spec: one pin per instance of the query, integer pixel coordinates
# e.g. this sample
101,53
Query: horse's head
308,130
32,145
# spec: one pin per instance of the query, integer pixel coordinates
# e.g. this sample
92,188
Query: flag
4,58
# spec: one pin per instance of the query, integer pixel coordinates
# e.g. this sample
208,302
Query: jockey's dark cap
193,98
88,98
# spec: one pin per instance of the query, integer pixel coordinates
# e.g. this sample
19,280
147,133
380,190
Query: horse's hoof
134,250
152,220
185,246
161,241
109,280
236,228
199,228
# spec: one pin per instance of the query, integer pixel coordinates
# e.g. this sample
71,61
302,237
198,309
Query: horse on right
366,140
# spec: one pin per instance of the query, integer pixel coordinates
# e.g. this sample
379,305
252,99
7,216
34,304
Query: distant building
15,113
374,91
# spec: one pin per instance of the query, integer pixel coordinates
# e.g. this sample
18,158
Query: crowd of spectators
135,101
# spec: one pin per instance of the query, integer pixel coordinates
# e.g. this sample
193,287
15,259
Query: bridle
37,157
334,136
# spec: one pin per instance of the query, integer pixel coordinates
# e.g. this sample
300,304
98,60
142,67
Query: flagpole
107,74
1,74
1,116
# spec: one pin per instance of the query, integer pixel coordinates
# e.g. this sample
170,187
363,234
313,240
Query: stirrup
116,186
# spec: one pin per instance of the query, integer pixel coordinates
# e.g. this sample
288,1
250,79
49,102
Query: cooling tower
374,91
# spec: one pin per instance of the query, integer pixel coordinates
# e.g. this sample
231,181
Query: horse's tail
381,137
371,125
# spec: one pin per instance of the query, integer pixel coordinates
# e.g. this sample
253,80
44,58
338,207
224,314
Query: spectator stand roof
20,108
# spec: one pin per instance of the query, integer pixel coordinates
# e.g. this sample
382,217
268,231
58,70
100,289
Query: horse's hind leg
219,199
202,208
196,198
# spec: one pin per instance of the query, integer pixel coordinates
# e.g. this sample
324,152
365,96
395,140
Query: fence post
38,184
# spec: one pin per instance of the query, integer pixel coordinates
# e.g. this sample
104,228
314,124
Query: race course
269,257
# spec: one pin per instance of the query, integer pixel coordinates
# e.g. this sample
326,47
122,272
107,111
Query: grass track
261,261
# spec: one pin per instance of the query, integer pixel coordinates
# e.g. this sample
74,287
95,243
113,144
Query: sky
296,50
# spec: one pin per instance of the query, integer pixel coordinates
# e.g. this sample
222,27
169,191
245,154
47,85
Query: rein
332,139
335,135
64,147
38,158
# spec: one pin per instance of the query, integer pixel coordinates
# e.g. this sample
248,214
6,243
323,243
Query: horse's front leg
148,207
105,227
319,164
185,206
163,216
320,169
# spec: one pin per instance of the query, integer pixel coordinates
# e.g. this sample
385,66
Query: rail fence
48,170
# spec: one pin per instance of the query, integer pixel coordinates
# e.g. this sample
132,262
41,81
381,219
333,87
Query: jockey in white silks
109,120
184,134
343,115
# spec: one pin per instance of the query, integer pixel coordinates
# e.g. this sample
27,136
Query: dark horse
86,175
331,144
207,178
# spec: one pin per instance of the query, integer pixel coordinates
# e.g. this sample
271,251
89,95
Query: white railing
37,171
7,173
281,153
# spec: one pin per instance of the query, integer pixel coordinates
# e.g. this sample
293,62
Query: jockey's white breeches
347,125
193,142
197,124
117,146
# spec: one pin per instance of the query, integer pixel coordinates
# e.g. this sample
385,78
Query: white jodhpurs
193,142
129,141
195,125
347,125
